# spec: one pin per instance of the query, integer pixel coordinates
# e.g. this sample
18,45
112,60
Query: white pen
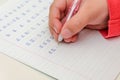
74,8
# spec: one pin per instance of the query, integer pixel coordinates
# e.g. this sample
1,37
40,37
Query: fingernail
66,33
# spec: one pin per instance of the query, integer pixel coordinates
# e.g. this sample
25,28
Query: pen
72,11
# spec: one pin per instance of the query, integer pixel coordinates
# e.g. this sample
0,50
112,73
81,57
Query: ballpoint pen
72,11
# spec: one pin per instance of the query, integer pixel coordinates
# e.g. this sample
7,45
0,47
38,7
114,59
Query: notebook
25,37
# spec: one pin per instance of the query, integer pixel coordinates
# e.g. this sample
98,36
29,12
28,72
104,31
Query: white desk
13,70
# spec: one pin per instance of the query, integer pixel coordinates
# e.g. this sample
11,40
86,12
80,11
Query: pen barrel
69,10
77,7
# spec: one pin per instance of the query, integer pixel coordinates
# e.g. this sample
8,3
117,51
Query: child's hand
92,14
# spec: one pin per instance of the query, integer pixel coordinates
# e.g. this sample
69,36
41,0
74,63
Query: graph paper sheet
25,36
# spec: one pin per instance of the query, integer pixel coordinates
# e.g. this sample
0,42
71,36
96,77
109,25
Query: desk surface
13,70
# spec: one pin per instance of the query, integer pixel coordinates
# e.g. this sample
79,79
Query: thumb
74,25
89,11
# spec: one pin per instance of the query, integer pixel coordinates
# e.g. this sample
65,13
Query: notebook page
25,37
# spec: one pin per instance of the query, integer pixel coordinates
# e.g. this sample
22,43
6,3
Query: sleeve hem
113,29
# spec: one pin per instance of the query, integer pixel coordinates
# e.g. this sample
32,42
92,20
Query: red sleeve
114,19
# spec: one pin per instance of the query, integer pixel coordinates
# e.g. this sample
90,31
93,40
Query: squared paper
25,36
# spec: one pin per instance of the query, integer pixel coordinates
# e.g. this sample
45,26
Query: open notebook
24,36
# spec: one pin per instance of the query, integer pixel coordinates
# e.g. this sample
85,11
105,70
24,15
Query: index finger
56,12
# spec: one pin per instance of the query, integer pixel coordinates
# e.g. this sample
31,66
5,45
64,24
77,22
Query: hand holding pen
90,14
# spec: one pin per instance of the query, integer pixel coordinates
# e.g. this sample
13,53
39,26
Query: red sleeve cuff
114,20
113,29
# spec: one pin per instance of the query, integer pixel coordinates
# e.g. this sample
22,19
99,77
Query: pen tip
60,38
